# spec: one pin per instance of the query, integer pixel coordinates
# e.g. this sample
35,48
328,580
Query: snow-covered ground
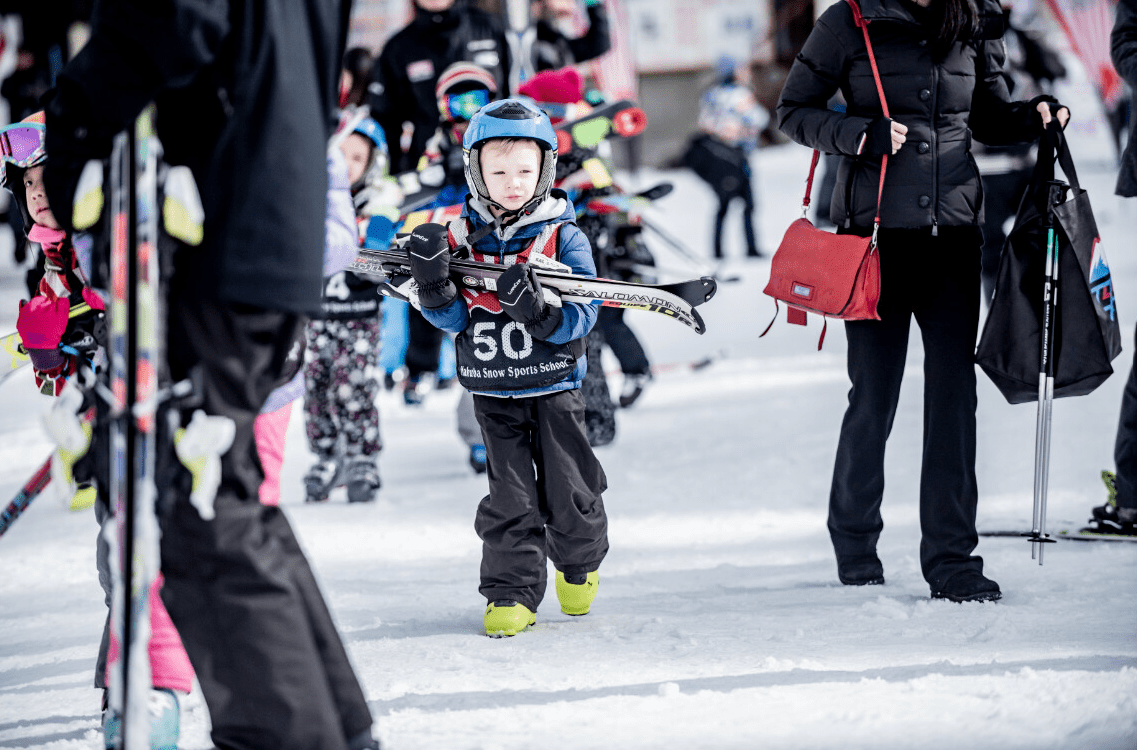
720,622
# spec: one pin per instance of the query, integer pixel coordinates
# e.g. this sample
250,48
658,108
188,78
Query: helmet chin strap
508,217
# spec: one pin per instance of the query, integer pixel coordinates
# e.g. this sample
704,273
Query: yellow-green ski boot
507,617
577,592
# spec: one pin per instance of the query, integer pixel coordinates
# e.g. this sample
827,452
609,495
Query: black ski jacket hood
933,179
411,62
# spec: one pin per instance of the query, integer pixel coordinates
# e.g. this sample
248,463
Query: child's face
357,150
37,198
511,172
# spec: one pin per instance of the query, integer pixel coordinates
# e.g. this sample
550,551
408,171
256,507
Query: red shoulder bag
833,275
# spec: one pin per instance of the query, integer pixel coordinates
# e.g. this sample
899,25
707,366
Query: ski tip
700,327
710,286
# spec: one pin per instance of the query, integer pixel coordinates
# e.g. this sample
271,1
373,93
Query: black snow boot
321,479
968,586
362,477
864,570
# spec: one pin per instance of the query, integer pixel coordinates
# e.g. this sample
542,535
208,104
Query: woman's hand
1063,114
898,135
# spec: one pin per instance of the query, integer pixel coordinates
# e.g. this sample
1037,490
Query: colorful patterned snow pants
341,381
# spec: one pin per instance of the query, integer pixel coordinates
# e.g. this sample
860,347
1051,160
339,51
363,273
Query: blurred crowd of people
305,151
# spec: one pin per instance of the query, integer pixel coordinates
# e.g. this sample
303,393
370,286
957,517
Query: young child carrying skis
519,352
63,327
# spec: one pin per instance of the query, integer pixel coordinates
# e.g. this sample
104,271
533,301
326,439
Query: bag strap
1052,150
1058,151
859,21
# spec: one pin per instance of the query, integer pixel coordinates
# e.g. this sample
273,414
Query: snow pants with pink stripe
169,665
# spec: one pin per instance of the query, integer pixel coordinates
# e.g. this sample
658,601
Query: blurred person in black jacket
1119,513
557,44
245,96
442,32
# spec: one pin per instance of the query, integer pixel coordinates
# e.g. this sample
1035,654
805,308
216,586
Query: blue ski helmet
509,118
377,169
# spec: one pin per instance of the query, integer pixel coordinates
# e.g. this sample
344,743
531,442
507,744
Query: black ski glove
1036,116
878,138
429,252
521,296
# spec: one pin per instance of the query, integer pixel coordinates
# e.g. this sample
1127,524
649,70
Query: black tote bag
1087,335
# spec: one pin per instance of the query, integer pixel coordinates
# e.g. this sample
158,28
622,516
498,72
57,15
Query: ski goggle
22,144
462,106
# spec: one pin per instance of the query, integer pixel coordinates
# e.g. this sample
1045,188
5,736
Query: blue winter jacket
575,252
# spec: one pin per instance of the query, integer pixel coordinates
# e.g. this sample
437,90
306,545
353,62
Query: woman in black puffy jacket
940,64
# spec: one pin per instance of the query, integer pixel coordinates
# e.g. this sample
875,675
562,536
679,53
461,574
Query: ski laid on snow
676,300
1068,535
30,491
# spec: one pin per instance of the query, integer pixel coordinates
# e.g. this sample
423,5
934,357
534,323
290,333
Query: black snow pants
1125,447
746,193
935,280
270,662
623,342
545,495
599,410
1001,195
424,344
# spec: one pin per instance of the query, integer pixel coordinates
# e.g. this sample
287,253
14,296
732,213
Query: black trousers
424,344
545,495
1125,447
1001,196
599,410
623,342
936,281
270,662
746,193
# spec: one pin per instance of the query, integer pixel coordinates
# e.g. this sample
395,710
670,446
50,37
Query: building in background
665,51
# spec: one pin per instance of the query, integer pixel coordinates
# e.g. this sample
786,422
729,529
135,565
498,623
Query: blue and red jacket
489,341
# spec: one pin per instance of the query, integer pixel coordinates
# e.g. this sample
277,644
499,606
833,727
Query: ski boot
165,722
478,458
321,480
362,478
1108,518
575,592
414,391
507,617
634,384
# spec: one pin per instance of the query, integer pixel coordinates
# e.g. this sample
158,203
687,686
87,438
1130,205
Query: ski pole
30,491
1044,420
684,251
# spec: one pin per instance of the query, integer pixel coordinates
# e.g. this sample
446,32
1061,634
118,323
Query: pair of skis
676,300
135,357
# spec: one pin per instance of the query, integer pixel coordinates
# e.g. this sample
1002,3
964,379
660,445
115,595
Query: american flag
1087,24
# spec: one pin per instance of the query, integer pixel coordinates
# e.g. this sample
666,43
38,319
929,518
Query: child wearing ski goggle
57,326
60,327
461,107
